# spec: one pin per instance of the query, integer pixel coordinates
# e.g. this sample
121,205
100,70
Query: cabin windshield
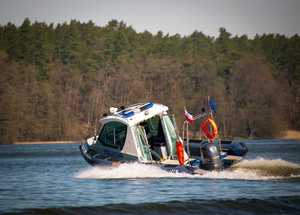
113,134
145,151
170,132
154,131
157,138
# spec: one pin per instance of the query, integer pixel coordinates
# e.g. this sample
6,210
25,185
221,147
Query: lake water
54,179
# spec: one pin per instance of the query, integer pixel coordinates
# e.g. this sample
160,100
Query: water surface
54,179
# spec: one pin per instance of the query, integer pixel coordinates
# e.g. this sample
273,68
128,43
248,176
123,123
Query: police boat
147,133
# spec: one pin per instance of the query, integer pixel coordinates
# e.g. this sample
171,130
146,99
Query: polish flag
189,117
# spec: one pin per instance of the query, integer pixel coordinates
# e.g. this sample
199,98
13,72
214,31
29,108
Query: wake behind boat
147,133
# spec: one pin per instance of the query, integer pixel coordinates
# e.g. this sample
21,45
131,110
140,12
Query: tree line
57,80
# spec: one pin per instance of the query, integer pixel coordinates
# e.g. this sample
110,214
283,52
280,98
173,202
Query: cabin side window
113,134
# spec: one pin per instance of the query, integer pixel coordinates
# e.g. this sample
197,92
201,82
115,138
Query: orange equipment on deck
180,152
209,128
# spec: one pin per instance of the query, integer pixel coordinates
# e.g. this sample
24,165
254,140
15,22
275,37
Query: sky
170,16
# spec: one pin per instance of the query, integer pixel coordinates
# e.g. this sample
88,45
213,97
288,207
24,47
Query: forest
56,80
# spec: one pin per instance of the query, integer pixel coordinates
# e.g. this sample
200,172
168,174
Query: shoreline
45,142
290,135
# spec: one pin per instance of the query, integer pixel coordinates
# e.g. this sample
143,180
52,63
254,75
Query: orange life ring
209,129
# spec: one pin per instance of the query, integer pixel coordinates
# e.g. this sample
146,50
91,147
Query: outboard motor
211,157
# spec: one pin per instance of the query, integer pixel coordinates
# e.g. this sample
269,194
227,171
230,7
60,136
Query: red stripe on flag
189,117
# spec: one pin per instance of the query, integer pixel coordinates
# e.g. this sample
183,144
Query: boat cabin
143,132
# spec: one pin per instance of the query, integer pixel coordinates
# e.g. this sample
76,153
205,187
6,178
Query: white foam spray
257,169
267,167
128,170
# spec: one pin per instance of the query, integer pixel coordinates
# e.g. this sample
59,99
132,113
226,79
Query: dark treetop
56,80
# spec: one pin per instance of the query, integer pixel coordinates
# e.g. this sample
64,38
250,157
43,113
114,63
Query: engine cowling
211,157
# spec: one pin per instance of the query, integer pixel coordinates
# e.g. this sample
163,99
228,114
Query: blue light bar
127,114
146,106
